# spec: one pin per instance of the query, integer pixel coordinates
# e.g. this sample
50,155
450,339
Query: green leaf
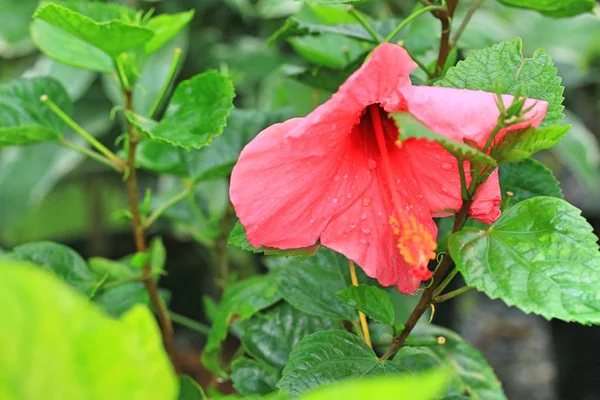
165,28
528,178
271,336
518,145
251,377
160,157
75,81
197,112
502,68
119,299
60,259
14,21
310,285
240,300
554,8
371,300
471,375
65,48
189,389
112,270
424,386
338,1
24,119
97,357
540,256
113,37
411,127
158,257
330,356
237,238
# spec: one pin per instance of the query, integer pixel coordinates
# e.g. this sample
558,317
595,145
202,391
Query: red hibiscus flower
339,175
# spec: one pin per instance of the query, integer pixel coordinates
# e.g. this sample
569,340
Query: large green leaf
554,8
329,356
371,300
60,259
197,112
310,285
411,127
113,36
502,68
55,345
527,179
24,119
14,20
251,377
241,300
271,336
424,386
471,375
540,256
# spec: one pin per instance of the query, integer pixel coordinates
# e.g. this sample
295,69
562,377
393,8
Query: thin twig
89,153
465,21
189,323
163,91
452,294
363,319
165,206
410,19
361,20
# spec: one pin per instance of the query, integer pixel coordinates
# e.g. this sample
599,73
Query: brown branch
140,240
445,17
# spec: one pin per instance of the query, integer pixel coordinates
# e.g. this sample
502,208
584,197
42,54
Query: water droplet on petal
371,164
355,176
335,200
363,216
445,190
379,213
254,226
419,196
336,178
363,241
398,181
349,195
352,226
345,176
447,166
366,230
311,221
366,202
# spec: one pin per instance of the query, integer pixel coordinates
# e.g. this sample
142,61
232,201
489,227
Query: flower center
415,244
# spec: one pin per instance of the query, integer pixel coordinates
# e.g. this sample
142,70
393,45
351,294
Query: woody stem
363,319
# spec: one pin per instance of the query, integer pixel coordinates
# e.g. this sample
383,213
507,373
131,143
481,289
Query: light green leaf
24,119
271,336
158,257
60,259
119,299
527,179
502,68
251,377
237,238
197,112
310,285
241,300
189,389
46,323
330,356
371,300
540,256
518,145
113,36
160,157
14,20
554,8
165,28
110,269
470,373
411,127
424,386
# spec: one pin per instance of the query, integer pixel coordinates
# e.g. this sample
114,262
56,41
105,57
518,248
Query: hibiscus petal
460,113
285,190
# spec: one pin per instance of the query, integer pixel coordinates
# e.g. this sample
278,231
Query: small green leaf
540,256
330,356
411,127
424,386
165,28
518,145
189,389
271,336
113,36
371,300
528,178
60,259
24,119
241,300
197,112
158,257
119,299
98,357
251,377
554,8
470,373
112,270
310,285
237,238
502,68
